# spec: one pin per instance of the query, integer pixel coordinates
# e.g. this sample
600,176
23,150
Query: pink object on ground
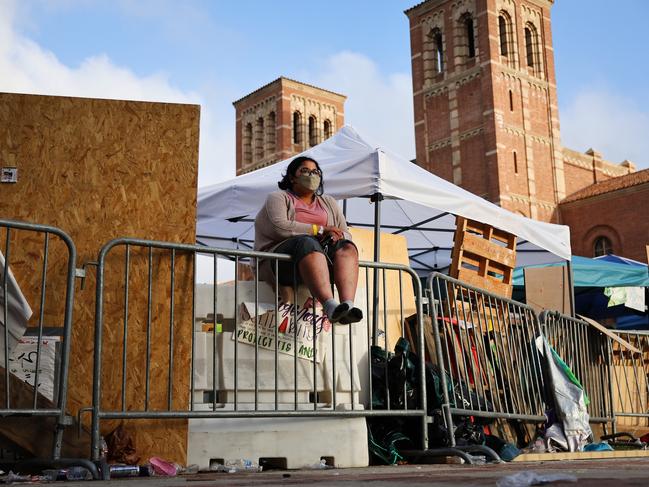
162,467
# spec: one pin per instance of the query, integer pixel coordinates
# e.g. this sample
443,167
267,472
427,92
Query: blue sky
213,52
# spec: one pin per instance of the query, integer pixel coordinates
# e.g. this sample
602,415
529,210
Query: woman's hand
334,233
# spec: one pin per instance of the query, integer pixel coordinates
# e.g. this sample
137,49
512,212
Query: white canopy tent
415,203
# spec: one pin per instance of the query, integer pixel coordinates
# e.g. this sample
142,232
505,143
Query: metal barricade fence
36,303
630,381
159,312
485,352
586,351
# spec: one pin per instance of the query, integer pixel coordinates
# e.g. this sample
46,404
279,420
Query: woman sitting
303,222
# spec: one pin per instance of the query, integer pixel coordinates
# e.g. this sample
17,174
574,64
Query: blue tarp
592,276
621,260
598,273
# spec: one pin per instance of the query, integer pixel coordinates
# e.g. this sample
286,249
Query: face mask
310,182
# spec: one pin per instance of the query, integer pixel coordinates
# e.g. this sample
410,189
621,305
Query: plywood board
101,169
548,288
393,250
581,455
608,333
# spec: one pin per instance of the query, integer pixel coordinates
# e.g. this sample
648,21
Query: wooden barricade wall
101,169
394,250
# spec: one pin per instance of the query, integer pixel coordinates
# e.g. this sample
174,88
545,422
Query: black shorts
300,246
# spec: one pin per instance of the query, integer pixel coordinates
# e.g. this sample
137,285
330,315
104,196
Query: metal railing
630,380
586,351
485,353
27,269
482,344
162,311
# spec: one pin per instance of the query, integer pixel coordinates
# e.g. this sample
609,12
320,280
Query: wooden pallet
483,256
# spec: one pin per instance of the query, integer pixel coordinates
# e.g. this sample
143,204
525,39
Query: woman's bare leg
346,272
315,274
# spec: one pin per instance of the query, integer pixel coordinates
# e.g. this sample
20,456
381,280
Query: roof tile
610,185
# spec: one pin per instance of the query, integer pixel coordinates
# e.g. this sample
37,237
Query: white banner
289,336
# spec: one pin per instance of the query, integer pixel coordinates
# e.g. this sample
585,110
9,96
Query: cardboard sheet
18,311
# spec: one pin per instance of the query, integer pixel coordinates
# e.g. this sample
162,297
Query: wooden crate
483,256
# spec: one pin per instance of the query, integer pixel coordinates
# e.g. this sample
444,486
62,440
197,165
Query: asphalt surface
620,472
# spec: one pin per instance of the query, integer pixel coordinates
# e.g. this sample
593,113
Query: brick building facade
610,216
486,118
283,118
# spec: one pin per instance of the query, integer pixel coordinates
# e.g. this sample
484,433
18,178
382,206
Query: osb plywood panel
100,169
393,250
581,455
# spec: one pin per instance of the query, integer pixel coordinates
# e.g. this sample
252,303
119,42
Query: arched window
433,55
529,47
470,37
327,129
270,134
502,31
465,38
435,52
247,144
259,139
532,49
313,131
297,128
602,246
507,39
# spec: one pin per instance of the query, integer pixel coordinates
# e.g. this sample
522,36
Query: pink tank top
314,213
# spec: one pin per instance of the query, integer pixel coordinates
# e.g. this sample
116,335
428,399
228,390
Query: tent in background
413,202
597,273
591,278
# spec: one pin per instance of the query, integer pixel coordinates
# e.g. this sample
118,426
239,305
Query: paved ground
588,472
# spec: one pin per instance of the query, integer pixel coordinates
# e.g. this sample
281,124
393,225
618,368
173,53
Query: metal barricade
485,353
159,314
630,381
586,351
36,303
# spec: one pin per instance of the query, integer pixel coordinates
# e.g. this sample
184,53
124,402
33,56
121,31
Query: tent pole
376,199
345,208
571,282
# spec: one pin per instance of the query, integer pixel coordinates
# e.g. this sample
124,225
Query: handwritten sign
22,363
298,324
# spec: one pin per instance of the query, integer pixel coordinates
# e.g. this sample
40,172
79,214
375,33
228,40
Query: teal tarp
597,273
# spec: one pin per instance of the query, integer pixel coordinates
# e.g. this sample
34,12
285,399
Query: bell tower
284,118
485,100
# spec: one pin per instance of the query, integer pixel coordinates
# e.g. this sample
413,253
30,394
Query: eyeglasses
305,171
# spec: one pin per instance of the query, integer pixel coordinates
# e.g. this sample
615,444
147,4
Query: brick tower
283,118
485,100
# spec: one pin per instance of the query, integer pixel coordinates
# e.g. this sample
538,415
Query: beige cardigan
276,223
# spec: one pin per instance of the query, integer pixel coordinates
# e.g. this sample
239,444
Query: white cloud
379,106
27,67
609,123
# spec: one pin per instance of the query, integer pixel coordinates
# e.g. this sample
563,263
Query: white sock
330,306
349,303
